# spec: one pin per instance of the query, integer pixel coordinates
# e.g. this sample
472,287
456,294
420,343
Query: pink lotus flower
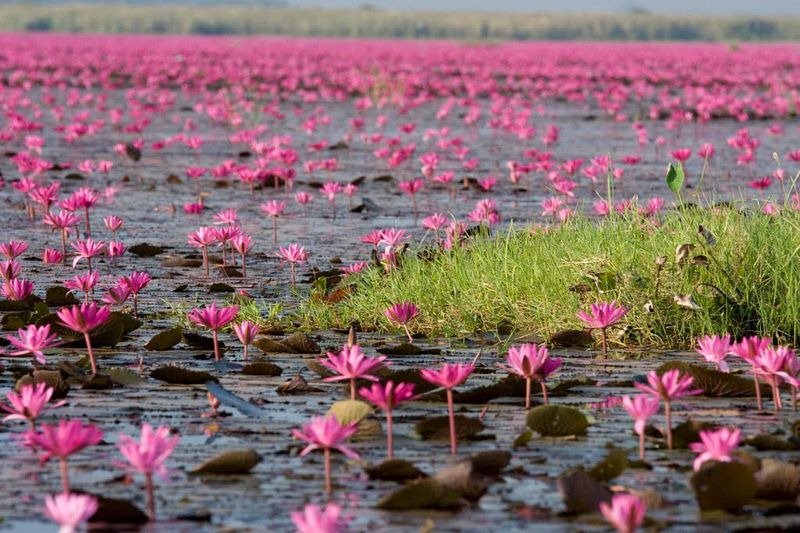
69,510
13,249
32,340
86,249
84,319
202,238
530,362
61,441
715,349
603,315
293,254
242,244
214,318
28,403
640,408
326,433
401,314
626,512
668,387
387,397
135,282
411,188
84,282
113,224
273,209
148,457
17,290
770,364
715,446
351,363
52,256
748,349
314,519
449,376
246,332
9,270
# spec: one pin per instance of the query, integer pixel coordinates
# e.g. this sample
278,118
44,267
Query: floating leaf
220,287
200,342
123,376
459,477
423,494
394,470
181,376
98,382
262,368
490,463
164,340
349,411
510,386
713,382
403,348
438,428
723,486
688,432
58,295
267,345
557,421
182,262
777,480
522,439
581,493
302,343
51,377
232,462
145,250
765,442
296,385
675,178
613,465
117,511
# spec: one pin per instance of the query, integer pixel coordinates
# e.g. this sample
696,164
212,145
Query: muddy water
283,481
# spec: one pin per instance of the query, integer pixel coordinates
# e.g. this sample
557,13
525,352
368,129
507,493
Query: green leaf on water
349,411
675,178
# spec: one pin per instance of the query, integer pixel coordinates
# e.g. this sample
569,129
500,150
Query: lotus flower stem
641,446
452,416
215,336
352,388
544,393
328,481
151,497
605,341
408,333
64,245
244,267
291,265
205,259
389,436
274,230
758,390
527,393
668,416
64,475
91,353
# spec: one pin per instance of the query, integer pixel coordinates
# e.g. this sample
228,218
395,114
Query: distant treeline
244,20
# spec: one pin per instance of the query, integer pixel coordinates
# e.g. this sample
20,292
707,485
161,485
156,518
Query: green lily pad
395,470
232,462
302,343
778,481
164,340
349,411
490,463
581,493
145,250
438,428
766,442
557,421
612,466
268,346
123,376
181,376
423,494
262,368
723,486
522,439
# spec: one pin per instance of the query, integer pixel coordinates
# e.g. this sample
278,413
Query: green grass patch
534,280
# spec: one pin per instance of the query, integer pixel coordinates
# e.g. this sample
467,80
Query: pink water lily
668,387
715,446
715,349
29,403
401,314
625,513
32,340
602,316
351,364
387,396
640,408
213,318
326,433
63,440
314,519
449,376
70,510
531,362
84,319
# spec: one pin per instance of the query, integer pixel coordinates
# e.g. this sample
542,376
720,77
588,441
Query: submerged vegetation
250,20
738,274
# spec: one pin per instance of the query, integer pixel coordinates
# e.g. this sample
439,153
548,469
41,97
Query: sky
720,7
